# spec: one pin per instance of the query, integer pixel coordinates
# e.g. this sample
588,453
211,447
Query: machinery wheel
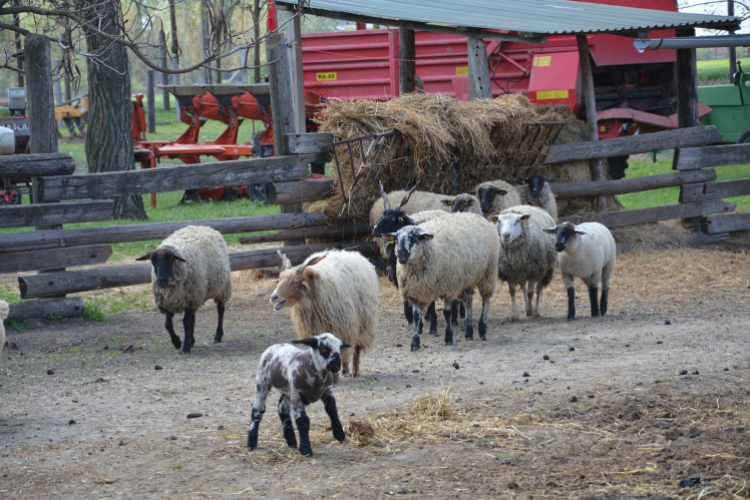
744,136
617,166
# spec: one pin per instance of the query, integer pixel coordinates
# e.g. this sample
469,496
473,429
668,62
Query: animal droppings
476,425
692,436
195,415
696,372
592,396
123,443
573,399
545,357
571,348
157,368
408,386
172,438
667,322
455,365
683,372
659,342
71,422
352,414
726,369
50,372
526,374
415,371
220,428
399,345
105,347
690,482
505,462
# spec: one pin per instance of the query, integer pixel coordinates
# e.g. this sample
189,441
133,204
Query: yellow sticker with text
542,61
462,70
326,77
551,94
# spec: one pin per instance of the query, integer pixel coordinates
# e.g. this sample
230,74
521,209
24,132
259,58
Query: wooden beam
97,278
150,102
667,139
407,63
65,307
641,215
711,156
727,223
345,231
315,143
687,83
18,262
480,86
714,190
177,178
571,190
55,213
16,242
42,124
300,191
294,35
33,165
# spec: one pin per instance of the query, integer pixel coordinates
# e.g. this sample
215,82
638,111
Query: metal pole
164,76
732,50
150,104
58,91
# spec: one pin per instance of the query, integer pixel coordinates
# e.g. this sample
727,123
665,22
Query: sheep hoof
306,451
448,343
344,372
537,315
571,318
513,319
433,332
414,347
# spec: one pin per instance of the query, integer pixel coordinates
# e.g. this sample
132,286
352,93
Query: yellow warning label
551,94
326,77
542,61
602,128
462,70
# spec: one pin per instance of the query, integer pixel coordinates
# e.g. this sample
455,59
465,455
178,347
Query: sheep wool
419,201
464,203
4,312
492,202
545,201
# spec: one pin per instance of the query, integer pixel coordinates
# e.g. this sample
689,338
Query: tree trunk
109,144
173,23
256,48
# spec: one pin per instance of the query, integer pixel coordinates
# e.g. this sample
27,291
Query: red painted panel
555,79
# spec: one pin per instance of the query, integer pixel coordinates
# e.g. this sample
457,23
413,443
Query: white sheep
587,251
4,312
446,259
527,255
302,377
464,203
333,291
534,190
190,267
495,196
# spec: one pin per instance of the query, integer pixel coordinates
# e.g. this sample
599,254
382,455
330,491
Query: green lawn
713,70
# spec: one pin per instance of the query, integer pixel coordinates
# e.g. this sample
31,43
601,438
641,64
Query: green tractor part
731,107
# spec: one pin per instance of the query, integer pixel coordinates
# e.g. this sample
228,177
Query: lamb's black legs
571,304
433,319
603,306
417,330
259,408
286,421
330,405
303,426
188,322
593,296
220,327
176,342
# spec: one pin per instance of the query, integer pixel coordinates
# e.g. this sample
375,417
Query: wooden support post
732,50
58,92
597,164
164,76
294,35
150,104
407,66
479,70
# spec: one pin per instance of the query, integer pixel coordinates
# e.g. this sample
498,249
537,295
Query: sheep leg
461,311
466,299
259,408
408,313
603,306
329,403
433,319
447,313
539,289
417,328
593,293
570,285
357,351
454,312
286,421
176,342
514,307
220,327
529,299
303,427
188,322
483,318
345,354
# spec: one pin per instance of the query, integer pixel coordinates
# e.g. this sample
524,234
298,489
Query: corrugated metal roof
545,17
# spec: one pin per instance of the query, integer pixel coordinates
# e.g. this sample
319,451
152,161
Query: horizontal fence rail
55,213
571,190
654,214
34,165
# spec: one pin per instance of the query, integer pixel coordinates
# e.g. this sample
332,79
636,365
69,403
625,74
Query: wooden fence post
479,70
164,76
150,104
407,65
58,91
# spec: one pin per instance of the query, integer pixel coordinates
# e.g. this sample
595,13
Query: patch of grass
177,467
713,70
16,324
99,308
9,294
56,318
93,312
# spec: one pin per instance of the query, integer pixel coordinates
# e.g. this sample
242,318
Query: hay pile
447,145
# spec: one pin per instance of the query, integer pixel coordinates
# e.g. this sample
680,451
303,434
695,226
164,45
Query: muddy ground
99,410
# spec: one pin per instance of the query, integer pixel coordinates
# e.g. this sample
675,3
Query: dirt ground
99,410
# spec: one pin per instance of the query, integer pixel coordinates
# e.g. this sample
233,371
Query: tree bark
256,35
109,142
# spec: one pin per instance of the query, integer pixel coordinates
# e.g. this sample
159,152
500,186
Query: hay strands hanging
381,139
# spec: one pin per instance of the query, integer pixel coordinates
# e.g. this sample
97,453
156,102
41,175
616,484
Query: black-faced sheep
587,251
382,212
534,190
444,259
190,267
4,311
302,377
527,254
495,196
334,291
464,203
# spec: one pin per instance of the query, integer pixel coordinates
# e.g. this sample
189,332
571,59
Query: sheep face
295,286
486,195
565,236
510,226
535,183
409,243
462,203
163,260
326,349
392,219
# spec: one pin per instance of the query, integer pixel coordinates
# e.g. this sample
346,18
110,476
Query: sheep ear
550,230
285,262
578,231
389,238
179,258
344,345
494,219
501,192
405,199
145,257
311,262
312,342
386,203
426,236
525,217
520,182
447,203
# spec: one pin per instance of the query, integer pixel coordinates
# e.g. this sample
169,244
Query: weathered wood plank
480,86
667,139
63,307
33,165
39,240
178,178
307,143
54,284
711,156
727,223
641,215
299,192
37,260
55,214
407,64
570,190
714,190
345,231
